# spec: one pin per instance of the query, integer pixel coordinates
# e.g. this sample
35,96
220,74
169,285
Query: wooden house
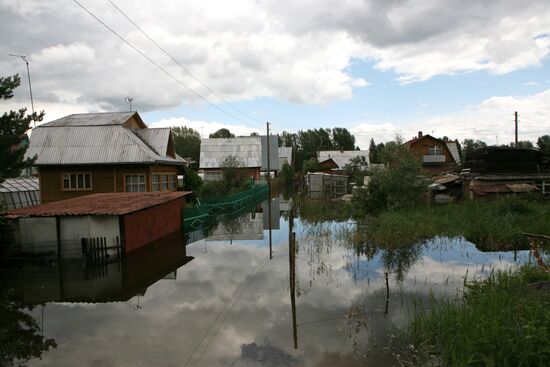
90,153
250,153
334,161
435,155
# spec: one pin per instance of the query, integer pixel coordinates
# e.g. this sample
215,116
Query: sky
380,68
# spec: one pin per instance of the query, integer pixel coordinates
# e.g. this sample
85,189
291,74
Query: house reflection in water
242,227
69,281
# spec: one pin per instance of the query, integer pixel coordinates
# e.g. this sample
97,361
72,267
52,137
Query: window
213,175
76,181
135,183
435,150
164,182
155,180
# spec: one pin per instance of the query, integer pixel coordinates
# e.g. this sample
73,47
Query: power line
156,64
183,67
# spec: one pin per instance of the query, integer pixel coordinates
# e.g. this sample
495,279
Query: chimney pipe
420,134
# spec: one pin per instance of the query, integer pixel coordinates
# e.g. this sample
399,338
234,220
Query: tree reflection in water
20,334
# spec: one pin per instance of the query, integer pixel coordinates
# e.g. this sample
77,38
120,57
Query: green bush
492,225
214,188
191,180
400,185
499,321
287,174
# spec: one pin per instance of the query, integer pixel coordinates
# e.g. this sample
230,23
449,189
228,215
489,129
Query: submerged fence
197,216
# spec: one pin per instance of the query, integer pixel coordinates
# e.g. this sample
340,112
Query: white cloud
204,127
491,118
298,52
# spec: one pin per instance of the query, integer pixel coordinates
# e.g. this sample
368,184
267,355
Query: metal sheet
342,157
69,145
248,151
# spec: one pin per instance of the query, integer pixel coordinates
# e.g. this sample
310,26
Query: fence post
84,247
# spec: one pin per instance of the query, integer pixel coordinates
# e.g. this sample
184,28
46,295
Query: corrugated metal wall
150,224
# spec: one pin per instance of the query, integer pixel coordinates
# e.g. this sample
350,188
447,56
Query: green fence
197,216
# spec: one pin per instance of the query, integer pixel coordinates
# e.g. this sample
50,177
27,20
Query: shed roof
341,157
19,184
105,140
98,204
248,151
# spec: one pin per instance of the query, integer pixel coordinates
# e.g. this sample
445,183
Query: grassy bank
500,321
492,224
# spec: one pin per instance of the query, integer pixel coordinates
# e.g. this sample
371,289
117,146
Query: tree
469,146
222,133
310,165
191,180
357,169
187,142
342,139
543,143
289,139
373,152
254,134
522,144
20,335
229,167
13,132
399,185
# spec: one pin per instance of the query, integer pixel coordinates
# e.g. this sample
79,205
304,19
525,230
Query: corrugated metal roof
19,184
285,152
95,144
453,148
92,119
98,204
156,138
342,157
248,151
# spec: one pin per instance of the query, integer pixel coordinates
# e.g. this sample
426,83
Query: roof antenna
24,58
129,100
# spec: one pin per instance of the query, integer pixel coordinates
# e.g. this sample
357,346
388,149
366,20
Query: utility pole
269,190
24,58
516,119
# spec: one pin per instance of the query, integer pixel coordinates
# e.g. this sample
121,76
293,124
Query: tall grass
499,321
492,224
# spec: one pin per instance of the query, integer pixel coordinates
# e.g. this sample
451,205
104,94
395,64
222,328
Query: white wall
38,234
73,228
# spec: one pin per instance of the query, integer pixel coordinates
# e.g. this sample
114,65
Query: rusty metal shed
131,219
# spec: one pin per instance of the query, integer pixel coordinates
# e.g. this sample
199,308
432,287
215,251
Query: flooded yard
222,300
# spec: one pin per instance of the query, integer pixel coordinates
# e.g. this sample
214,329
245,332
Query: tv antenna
129,100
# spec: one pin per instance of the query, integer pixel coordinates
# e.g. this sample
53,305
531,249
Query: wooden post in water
269,195
387,292
292,262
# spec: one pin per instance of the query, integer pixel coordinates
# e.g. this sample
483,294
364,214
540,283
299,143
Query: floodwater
222,300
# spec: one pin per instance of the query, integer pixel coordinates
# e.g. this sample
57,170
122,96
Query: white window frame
74,183
435,150
139,186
